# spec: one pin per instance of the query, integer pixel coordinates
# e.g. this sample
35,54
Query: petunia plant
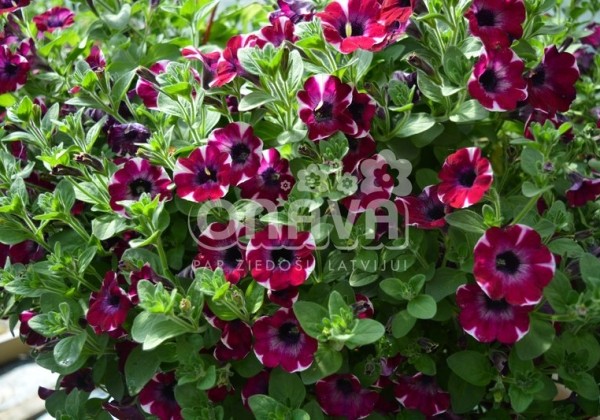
302,209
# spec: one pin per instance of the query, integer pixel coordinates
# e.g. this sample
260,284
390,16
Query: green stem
526,209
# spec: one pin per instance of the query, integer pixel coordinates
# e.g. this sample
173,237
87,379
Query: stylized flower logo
379,172
312,179
347,184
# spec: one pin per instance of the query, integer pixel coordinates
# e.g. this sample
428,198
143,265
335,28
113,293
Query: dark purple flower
204,175
122,138
551,85
295,10
209,62
342,395
109,306
125,409
497,80
285,297
146,90
362,109
324,106
358,149
53,19
81,380
158,397
280,30
583,190
235,342
592,39
135,178
421,392
363,307
13,70
7,6
280,341
258,384
25,252
424,211
487,319
273,182
496,22
95,59
29,336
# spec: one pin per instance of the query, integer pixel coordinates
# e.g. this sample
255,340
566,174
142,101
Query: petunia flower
582,190
95,59
144,273
122,138
285,297
465,178
512,263
295,10
375,185
204,175
488,319
539,116
551,85
497,22
7,6
238,140
158,397
280,257
362,109
146,90
13,70
25,252
126,409
280,341
358,149
324,106
235,342
349,25
229,66
81,379
219,246
593,39
342,395
396,11
29,336
497,80
421,392
273,182
258,384
108,307
280,30
363,307
425,211
135,178
53,19
209,62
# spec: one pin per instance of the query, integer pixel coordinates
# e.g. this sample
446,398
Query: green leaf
428,87
415,124
456,65
463,395
154,329
327,362
108,225
367,260
140,367
422,307
286,388
519,400
118,21
566,247
254,100
586,386
530,190
402,323
336,303
471,366
590,270
365,332
68,350
310,315
531,161
537,341
12,233
466,220
469,111
266,408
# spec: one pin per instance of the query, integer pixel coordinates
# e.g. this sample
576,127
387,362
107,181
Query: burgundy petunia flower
358,149
146,90
158,397
396,12
258,384
219,246
551,85
243,146
497,22
592,39
324,106
125,409
362,109
375,185
583,190
235,342
285,297
280,30
229,67
352,24
7,6
295,10
487,319
218,394
421,392
465,178
29,336
53,19
204,175
144,273
81,379
512,263
25,252
425,211
13,70
342,395
96,59
109,306
280,257
122,138
363,307
136,177
280,341
273,182
497,80
209,62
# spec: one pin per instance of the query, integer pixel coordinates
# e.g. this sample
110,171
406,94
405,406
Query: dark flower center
356,110
538,77
239,153
289,333
140,186
488,80
496,305
11,69
282,255
206,175
232,256
486,17
467,178
114,300
168,393
352,29
508,262
436,212
344,386
271,177
352,144
323,112
55,22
